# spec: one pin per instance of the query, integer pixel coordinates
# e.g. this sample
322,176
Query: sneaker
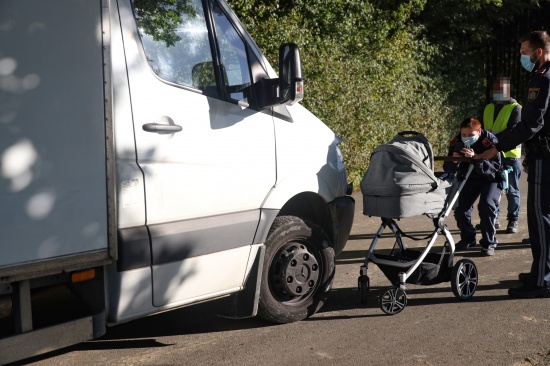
527,291
463,245
524,277
487,252
512,227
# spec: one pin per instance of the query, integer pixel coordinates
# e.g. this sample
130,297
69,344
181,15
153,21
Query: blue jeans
512,195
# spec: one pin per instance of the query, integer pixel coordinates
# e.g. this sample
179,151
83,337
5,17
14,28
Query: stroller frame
464,274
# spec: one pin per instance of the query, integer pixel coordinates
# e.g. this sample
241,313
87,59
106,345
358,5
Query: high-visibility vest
500,124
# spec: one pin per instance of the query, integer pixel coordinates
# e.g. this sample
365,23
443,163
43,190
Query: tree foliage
373,68
160,18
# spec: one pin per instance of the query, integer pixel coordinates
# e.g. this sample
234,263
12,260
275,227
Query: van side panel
52,130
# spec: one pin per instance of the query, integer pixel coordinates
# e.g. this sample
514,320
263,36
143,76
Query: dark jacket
531,129
483,169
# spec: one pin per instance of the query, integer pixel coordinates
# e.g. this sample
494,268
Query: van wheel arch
311,207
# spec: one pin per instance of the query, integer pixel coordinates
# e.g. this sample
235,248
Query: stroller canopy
403,169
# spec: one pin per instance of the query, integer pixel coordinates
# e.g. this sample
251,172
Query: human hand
468,153
487,154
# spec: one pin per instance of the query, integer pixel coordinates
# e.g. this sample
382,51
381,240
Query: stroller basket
433,270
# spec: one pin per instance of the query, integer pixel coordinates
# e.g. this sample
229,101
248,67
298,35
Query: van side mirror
289,87
291,84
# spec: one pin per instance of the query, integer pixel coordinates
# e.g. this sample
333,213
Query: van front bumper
342,210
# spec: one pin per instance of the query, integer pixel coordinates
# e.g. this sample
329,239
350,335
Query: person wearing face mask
502,114
484,182
534,131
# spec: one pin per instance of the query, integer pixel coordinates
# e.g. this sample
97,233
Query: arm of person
488,167
532,115
515,118
451,166
487,154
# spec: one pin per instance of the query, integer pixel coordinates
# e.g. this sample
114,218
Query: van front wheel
298,270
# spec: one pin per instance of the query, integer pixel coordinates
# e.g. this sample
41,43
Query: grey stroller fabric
400,180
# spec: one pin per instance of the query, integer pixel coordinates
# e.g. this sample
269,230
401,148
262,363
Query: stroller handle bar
454,158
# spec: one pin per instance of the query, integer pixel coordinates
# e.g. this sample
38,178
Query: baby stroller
400,182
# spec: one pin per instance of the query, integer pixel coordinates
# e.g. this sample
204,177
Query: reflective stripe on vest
500,124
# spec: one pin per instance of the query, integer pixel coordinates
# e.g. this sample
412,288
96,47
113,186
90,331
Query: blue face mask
526,62
469,141
499,97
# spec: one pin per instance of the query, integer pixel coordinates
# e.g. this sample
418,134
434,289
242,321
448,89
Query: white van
150,158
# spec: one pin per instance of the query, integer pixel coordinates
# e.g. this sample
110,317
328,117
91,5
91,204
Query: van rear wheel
298,270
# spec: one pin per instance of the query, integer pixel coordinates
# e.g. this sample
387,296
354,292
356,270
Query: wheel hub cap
300,271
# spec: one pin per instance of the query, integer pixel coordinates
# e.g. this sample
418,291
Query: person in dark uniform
484,182
534,131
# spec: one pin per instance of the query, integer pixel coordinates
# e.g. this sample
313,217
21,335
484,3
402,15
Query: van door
208,160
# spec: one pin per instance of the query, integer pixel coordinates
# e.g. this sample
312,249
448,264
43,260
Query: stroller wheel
390,304
364,286
464,279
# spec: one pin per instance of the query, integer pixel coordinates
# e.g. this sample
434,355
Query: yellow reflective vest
500,124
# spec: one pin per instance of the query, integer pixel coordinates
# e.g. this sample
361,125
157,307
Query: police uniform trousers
489,195
538,219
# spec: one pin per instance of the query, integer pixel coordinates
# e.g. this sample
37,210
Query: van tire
297,272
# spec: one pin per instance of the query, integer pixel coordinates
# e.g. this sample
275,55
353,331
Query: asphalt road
434,329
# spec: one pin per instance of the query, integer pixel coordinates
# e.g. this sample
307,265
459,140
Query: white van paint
170,172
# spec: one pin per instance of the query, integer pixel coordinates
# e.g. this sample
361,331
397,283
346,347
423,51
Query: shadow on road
349,298
142,333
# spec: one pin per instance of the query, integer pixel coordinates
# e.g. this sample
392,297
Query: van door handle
158,128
